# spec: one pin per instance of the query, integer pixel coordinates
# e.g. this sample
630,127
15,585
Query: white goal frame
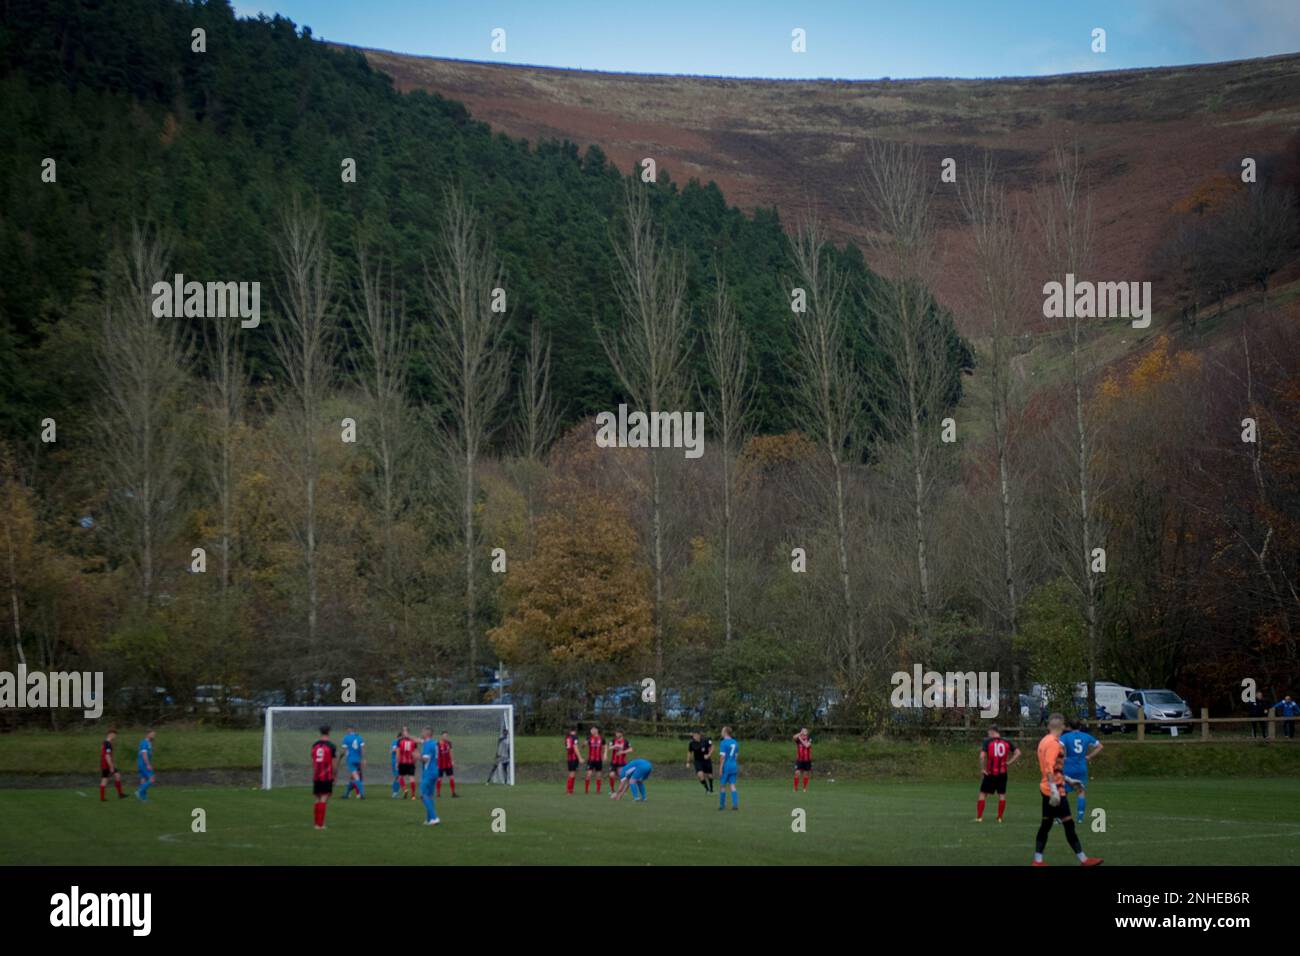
506,710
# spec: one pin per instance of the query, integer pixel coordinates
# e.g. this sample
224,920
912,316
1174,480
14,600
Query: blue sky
851,40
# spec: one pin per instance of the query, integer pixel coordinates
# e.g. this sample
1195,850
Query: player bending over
633,777
996,757
1056,794
700,753
108,767
354,749
1080,747
619,748
595,758
445,766
324,761
407,748
802,757
727,748
429,777
571,758
144,764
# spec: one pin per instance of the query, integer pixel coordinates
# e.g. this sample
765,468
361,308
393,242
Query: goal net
482,739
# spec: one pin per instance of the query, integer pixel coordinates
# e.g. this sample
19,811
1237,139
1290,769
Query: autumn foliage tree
578,612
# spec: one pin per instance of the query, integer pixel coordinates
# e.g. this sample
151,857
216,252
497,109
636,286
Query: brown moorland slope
1150,136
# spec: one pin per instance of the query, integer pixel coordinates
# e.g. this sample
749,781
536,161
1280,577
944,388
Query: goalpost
481,734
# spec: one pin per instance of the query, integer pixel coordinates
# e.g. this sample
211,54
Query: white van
1109,695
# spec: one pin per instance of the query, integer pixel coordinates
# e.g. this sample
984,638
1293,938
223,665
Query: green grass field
892,802
1151,821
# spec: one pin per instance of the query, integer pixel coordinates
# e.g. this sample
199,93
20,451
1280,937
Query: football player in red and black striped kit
571,757
595,758
802,757
324,765
619,748
108,768
996,755
407,749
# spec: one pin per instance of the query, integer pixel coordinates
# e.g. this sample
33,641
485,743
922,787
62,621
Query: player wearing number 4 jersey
1056,795
996,757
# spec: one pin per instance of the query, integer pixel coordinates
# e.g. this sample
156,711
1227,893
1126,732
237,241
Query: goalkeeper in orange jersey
1055,790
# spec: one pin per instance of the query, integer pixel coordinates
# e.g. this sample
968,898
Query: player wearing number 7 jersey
727,748
996,757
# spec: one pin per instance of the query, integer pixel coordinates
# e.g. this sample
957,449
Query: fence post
1142,724
1205,723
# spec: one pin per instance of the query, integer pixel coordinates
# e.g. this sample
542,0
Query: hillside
1151,135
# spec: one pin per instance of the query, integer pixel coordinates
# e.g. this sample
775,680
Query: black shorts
573,765
446,771
1062,810
105,772
406,770
805,765
595,765
322,786
994,783
704,766
616,768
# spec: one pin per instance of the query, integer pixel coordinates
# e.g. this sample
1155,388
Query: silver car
1161,707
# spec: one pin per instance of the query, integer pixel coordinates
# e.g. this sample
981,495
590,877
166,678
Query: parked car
1031,710
1110,695
1161,707
1102,720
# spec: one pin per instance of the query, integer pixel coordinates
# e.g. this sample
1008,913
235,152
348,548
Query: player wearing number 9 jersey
996,757
324,758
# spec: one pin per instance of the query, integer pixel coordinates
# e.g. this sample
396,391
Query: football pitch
1187,821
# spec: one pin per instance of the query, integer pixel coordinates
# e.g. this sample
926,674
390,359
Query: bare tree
911,374
539,417
142,360
1065,228
648,353
19,528
383,364
305,343
469,363
226,385
829,401
999,267
729,403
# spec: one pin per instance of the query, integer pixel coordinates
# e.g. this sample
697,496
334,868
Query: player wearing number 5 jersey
1080,747
996,757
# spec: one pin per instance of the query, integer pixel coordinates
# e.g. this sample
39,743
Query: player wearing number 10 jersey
996,756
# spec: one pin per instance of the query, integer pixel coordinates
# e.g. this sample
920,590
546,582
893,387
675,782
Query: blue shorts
354,768
1082,778
637,774
728,777
146,774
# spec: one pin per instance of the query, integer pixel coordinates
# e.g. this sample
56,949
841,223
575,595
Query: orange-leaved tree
578,611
